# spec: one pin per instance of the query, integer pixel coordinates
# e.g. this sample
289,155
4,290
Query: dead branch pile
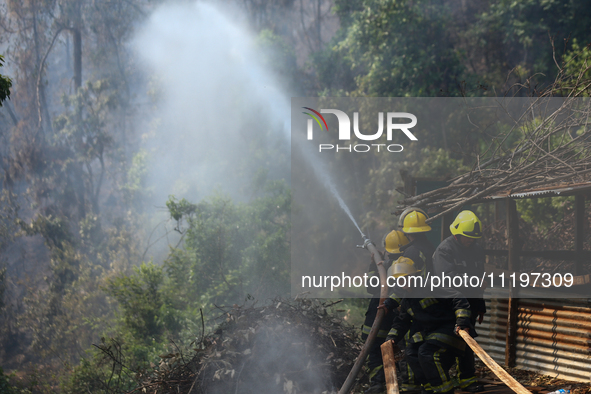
286,347
553,149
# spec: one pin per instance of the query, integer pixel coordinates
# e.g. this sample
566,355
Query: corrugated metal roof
556,190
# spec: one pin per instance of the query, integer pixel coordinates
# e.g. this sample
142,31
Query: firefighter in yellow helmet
414,220
457,255
431,323
413,223
392,242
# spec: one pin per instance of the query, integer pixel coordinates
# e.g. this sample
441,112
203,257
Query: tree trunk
77,37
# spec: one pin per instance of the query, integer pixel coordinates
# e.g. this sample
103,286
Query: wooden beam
513,246
579,232
389,360
492,365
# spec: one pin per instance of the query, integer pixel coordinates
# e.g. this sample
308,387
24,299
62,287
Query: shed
548,335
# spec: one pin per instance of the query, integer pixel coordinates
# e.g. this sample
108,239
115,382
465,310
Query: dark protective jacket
433,319
420,251
453,259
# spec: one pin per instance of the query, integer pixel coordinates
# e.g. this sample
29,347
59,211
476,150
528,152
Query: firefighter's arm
462,312
390,304
400,326
443,261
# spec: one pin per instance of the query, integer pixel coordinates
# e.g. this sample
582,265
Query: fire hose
346,388
393,386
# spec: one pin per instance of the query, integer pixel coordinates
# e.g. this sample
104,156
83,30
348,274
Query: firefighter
392,243
433,323
413,222
457,255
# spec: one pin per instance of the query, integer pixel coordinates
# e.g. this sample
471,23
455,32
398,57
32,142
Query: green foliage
576,63
402,49
438,48
231,250
53,229
5,84
145,309
108,368
85,122
440,163
135,176
87,377
180,209
9,210
531,33
83,137
5,386
277,54
543,213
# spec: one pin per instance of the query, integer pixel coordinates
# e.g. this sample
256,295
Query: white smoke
219,114
213,93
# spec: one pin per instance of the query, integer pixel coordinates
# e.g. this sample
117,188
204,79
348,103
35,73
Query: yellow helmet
467,224
401,267
406,212
394,240
415,221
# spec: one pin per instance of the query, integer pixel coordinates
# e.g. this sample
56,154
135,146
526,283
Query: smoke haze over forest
145,153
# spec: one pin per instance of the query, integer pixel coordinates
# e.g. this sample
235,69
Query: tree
5,84
450,47
400,48
231,251
61,161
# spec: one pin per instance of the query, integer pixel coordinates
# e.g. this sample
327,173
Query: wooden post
498,214
579,232
389,367
513,246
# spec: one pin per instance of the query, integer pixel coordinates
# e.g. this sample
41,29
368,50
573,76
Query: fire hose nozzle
366,242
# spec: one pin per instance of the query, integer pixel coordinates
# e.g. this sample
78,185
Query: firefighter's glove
458,328
398,354
389,305
480,317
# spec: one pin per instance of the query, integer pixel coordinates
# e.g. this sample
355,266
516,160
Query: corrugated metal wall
493,330
553,336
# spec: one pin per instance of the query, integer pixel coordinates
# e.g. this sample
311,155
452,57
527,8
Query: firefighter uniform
455,259
374,362
420,251
433,345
